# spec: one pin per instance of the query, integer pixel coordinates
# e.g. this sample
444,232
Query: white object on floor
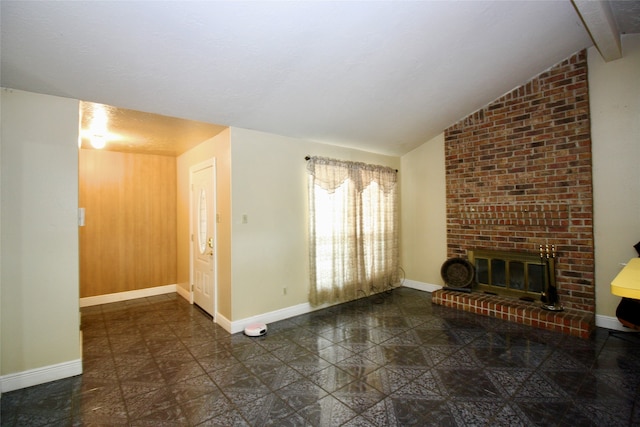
255,330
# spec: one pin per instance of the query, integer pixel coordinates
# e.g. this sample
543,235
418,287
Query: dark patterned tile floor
389,360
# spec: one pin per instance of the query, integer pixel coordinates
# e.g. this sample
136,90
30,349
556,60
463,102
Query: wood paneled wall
129,238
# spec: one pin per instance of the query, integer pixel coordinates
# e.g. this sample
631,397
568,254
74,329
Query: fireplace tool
549,296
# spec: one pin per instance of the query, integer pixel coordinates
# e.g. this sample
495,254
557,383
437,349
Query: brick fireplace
518,175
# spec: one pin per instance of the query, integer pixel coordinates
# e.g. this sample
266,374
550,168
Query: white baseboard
184,293
610,322
127,295
296,310
421,286
272,316
223,322
42,375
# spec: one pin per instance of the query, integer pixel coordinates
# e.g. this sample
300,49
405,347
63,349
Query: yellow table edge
627,282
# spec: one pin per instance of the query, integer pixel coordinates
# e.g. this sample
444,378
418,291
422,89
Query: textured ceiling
380,76
139,132
627,15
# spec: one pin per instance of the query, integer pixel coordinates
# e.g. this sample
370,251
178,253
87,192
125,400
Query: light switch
245,218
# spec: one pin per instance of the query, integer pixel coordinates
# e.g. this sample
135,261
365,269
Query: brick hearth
571,322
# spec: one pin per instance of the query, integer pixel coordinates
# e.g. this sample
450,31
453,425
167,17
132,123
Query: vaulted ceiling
381,76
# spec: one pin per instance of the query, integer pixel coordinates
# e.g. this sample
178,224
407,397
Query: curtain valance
330,174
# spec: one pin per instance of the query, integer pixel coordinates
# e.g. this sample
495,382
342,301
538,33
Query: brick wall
518,174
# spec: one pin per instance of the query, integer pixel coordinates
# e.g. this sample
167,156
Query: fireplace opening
516,274
496,277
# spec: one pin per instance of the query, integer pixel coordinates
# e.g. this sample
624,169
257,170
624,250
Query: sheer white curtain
353,229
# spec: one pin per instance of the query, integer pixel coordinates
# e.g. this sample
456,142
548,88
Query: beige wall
269,186
423,212
218,147
615,126
39,272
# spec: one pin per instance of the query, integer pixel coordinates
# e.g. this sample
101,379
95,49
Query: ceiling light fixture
98,141
99,127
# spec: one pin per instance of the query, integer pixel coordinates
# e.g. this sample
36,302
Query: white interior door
203,236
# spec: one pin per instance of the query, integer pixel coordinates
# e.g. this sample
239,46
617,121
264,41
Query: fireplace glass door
510,273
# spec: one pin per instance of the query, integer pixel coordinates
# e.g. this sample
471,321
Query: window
353,229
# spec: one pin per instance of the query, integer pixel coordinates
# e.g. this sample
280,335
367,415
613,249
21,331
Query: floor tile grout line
112,353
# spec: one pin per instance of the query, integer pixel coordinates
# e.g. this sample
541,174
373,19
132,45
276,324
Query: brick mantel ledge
571,322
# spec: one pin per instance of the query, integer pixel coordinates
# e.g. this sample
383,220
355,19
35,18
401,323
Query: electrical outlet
245,218
284,290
